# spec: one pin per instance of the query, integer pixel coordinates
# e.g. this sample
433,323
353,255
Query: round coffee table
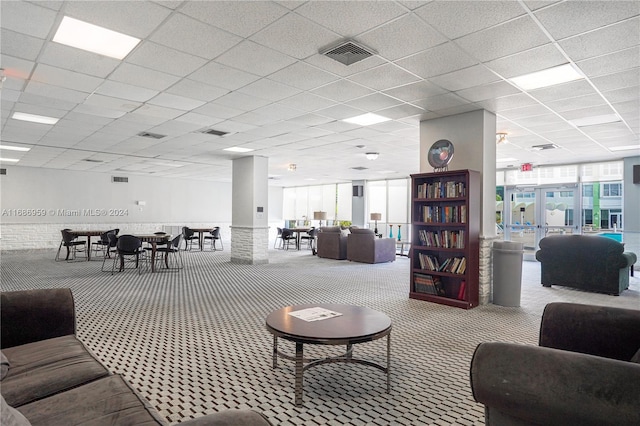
355,324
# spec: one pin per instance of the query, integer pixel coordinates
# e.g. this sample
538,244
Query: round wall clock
440,154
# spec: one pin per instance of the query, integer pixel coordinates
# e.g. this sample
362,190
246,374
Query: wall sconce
320,216
501,138
376,217
372,155
292,167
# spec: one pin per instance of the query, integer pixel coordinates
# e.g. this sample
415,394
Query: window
611,189
587,191
587,217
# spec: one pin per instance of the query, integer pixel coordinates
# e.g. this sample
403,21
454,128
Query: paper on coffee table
314,314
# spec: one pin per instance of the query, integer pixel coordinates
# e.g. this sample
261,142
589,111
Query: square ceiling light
624,148
549,77
42,119
366,119
93,38
238,149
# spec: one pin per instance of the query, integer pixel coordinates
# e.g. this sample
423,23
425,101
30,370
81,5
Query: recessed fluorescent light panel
15,148
548,77
238,149
366,119
9,160
93,38
624,148
595,120
42,119
504,160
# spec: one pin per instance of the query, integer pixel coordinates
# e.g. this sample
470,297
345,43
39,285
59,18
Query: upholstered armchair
586,262
363,246
585,370
332,243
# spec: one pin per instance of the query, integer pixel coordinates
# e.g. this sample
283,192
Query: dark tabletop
356,324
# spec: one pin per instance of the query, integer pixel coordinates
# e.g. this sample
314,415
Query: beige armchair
332,243
363,246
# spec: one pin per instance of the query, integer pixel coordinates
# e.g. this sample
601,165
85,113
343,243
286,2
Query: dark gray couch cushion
43,368
636,358
107,401
4,365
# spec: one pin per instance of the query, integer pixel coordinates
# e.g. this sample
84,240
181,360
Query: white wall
35,203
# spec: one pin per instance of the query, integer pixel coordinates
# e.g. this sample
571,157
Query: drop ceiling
255,71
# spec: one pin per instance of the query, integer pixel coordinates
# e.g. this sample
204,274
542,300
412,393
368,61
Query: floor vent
119,179
214,132
348,53
151,135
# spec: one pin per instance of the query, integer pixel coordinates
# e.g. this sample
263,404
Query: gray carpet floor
194,341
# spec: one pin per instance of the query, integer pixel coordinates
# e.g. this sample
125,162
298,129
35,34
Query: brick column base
249,245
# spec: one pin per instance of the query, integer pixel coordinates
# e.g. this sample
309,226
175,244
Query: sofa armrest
597,330
524,384
230,418
32,315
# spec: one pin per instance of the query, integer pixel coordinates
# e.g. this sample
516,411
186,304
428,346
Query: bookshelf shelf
445,255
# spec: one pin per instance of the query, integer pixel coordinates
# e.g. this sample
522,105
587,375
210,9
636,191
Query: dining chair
278,237
101,245
288,236
128,249
189,236
215,236
61,244
72,244
112,236
172,249
310,237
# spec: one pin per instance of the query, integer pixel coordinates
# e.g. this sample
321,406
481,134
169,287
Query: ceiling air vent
91,160
119,179
544,146
3,171
214,132
151,135
348,53
359,168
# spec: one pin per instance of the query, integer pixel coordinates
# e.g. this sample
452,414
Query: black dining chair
215,236
278,237
100,246
72,244
189,236
128,249
113,241
310,237
172,249
288,236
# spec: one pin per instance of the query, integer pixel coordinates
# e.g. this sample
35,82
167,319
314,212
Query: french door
532,213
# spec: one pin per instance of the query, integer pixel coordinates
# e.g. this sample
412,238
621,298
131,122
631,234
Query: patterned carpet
194,341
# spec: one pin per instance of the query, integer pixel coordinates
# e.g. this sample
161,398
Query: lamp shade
376,216
320,215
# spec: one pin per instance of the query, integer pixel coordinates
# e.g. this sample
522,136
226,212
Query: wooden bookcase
445,219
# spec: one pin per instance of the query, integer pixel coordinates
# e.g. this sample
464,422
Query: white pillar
249,215
473,135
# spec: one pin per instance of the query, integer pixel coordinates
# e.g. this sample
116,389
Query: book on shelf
440,189
443,214
445,238
463,289
428,284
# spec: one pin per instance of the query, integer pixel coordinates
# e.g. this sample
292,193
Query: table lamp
376,217
320,216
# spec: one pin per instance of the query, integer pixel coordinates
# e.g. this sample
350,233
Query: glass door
531,214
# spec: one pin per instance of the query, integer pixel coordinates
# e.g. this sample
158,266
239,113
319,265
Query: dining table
154,239
201,232
84,233
298,231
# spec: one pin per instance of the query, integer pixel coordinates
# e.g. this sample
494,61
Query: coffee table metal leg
389,363
349,352
299,372
275,351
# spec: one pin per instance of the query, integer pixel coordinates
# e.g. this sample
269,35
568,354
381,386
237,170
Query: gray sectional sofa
50,378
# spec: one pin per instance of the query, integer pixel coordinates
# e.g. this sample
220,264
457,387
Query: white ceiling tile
241,101
191,36
27,18
342,91
306,102
144,77
99,111
374,102
465,78
400,111
175,101
488,91
440,102
117,104
125,91
331,65
348,18
503,40
310,120
402,37
457,18
78,60
267,89
570,18
296,36
577,102
64,78
159,112
30,98
340,112
602,41
20,45
199,119
414,91
529,61
612,63
622,95
384,77
562,91
218,111
439,60
223,76
197,90
134,18
528,111
254,58
303,76
594,111
240,18
164,59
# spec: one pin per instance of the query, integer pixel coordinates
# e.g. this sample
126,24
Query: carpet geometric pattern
194,341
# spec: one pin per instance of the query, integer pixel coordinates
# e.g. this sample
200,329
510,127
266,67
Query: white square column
249,215
473,135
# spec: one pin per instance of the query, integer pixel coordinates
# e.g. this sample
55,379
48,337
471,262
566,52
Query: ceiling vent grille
91,160
214,132
544,147
119,179
3,171
151,135
359,168
348,53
